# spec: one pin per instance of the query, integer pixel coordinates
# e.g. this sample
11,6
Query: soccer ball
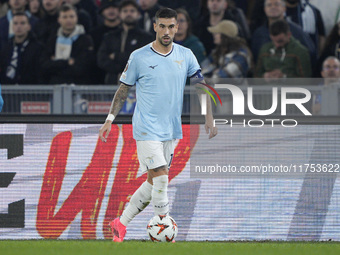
162,228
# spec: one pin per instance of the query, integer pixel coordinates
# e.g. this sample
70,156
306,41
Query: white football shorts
153,154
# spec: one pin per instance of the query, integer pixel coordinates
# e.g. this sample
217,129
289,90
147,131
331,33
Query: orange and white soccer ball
162,228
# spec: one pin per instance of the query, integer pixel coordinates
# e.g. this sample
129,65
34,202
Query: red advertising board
98,107
28,107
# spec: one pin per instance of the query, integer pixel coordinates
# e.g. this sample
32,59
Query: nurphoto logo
238,105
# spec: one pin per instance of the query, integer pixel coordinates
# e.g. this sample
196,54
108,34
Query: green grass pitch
99,247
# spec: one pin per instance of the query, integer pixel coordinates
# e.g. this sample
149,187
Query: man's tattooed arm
119,99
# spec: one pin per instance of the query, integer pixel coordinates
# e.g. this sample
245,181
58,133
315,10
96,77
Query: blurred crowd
89,41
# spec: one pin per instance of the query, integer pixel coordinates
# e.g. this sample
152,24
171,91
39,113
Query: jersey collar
163,55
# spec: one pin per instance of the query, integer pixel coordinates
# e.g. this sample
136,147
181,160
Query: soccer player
159,71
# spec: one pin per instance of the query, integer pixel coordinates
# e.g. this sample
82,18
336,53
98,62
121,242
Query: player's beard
165,44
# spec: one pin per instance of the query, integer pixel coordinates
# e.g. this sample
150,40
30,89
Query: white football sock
139,200
160,200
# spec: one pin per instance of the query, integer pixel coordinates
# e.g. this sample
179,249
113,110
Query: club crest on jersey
179,62
126,67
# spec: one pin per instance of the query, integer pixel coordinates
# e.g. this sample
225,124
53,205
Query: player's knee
160,184
159,171
162,170
149,179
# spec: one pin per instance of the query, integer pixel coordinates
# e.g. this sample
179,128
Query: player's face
165,30
68,20
21,26
274,8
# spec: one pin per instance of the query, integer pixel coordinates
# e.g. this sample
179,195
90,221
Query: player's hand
104,131
209,127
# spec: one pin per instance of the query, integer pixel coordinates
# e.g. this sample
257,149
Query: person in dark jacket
49,24
185,37
275,10
6,22
18,59
90,7
332,47
220,10
148,10
69,54
191,6
309,18
109,10
117,46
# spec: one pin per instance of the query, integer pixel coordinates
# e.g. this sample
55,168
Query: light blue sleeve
1,100
193,65
130,74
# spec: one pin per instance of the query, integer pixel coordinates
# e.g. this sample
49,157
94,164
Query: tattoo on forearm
119,99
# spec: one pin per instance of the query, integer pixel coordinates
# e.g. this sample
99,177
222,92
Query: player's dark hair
67,7
279,27
166,13
125,3
22,14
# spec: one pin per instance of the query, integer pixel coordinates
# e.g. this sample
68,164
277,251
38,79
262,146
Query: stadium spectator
218,11
48,25
90,7
116,47
191,6
69,54
231,58
309,18
110,12
35,8
185,37
242,4
329,12
18,58
3,7
284,56
148,11
1,100
84,18
275,10
332,46
6,23
258,17
331,75
331,70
